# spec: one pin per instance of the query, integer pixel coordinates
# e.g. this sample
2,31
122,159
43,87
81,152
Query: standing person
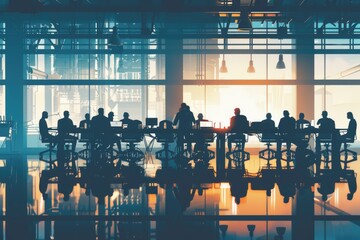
65,126
238,125
286,128
184,119
100,127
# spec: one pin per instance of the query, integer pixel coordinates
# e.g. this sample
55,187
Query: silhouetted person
238,125
200,137
101,128
126,120
199,119
115,137
287,123
326,124
287,127
65,127
111,116
184,119
86,122
268,125
302,122
351,130
44,130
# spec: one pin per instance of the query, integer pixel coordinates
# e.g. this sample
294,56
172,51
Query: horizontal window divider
93,82
191,35
259,217
186,82
193,51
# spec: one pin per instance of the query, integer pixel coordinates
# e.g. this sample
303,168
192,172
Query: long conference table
221,134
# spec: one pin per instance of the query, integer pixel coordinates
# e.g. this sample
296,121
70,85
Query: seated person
327,124
66,126
200,118
268,125
115,137
238,125
85,124
44,130
302,122
126,120
287,123
351,130
111,116
200,137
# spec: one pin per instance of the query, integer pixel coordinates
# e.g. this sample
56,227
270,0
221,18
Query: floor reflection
163,211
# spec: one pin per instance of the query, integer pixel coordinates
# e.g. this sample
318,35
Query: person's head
200,116
66,114
101,111
237,111
286,199
350,115
126,115
87,116
286,113
268,116
44,114
324,114
200,191
301,115
111,115
182,105
187,108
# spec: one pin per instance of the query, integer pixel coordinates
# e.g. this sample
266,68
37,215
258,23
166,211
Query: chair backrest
164,136
133,136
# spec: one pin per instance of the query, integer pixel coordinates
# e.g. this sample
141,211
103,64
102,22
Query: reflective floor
210,213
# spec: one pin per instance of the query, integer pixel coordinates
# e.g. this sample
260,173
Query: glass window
280,98
337,100
337,66
96,66
217,103
139,101
209,66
